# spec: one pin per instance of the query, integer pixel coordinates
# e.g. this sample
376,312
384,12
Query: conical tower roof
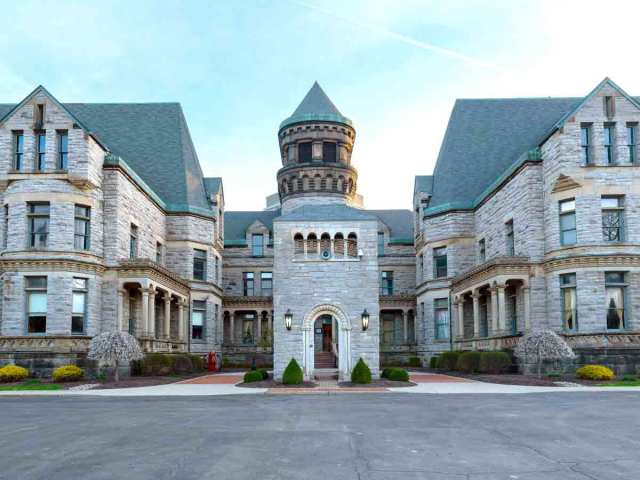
316,106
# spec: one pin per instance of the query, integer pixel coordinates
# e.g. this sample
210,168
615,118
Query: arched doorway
326,329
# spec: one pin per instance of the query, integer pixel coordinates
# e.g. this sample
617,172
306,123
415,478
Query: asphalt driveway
352,436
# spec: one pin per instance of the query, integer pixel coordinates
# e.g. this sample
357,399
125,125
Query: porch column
415,326
181,332
258,327
167,316
120,319
152,312
527,307
145,310
232,330
405,325
502,308
476,314
494,310
461,316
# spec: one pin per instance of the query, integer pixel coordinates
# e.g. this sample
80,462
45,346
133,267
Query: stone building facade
528,222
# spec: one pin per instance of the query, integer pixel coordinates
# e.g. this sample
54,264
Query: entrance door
326,337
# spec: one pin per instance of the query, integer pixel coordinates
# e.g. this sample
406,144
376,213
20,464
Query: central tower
316,142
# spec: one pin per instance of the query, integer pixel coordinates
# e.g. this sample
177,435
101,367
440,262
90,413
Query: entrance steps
325,374
324,360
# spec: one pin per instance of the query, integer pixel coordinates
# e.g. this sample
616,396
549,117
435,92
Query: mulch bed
510,379
382,382
271,383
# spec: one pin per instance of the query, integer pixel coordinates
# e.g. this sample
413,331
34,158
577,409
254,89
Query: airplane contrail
447,52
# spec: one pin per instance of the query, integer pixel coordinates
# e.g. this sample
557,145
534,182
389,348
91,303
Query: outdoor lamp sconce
288,318
365,320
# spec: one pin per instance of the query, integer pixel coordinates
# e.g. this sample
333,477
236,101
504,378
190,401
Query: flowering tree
114,348
542,345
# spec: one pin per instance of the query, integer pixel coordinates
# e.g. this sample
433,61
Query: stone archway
344,339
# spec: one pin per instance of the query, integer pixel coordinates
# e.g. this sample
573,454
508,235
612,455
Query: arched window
329,183
305,183
299,184
312,244
352,245
317,182
338,244
290,185
325,242
298,242
334,184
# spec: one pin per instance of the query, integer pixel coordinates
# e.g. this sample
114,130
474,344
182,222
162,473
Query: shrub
114,348
448,361
543,345
182,364
494,362
253,376
198,362
264,373
361,373
397,375
414,362
13,373
385,373
67,373
554,375
629,378
595,372
292,374
469,362
433,362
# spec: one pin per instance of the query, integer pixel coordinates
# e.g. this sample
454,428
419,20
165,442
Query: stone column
258,327
232,329
120,319
502,308
405,325
167,316
527,307
145,310
476,314
461,316
181,330
494,310
152,312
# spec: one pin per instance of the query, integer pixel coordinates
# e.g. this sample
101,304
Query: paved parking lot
566,436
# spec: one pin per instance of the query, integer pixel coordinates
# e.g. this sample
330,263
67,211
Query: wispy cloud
443,51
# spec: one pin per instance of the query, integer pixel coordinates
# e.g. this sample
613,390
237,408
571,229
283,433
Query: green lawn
30,385
623,383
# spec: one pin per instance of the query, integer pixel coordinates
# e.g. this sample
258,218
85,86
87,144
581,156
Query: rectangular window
248,322
632,133
159,253
38,219
36,290
266,284
585,143
5,233
79,306
42,151
568,233
386,283
441,316
304,152
615,292
199,265
609,106
39,116
63,150
133,241
257,245
329,152
82,227
612,218
420,268
198,314
388,328
609,143
18,152
380,243
482,250
247,284
440,262
510,240
569,301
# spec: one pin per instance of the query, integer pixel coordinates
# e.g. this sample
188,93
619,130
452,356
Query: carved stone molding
563,183
595,261
50,264
48,343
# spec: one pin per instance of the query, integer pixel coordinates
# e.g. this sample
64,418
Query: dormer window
609,106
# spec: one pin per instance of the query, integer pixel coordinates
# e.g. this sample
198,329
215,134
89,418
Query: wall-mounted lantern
288,318
365,320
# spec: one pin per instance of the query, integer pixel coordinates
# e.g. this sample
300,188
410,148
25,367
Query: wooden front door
326,337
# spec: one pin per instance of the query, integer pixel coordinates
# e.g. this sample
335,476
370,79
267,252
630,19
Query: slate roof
423,184
154,140
236,223
399,223
316,105
484,138
212,185
329,212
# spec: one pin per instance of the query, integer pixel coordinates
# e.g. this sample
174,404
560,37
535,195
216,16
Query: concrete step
325,374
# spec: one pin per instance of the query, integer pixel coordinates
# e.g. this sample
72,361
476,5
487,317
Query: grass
30,385
623,383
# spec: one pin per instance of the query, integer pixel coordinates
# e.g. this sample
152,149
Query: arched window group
336,245
317,183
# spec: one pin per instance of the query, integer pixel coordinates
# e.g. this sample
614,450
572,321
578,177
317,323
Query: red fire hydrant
211,362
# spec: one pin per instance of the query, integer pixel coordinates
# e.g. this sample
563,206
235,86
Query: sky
239,67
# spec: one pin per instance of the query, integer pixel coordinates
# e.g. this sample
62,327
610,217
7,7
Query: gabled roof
152,139
399,223
316,105
237,223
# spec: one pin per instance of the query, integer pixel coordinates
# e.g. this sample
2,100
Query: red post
211,362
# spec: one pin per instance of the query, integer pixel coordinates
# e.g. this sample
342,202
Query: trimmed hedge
169,363
448,361
67,373
292,374
433,362
494,362
253,376
13,373
595,372
469,362
361,373
396,374
414,362
264,373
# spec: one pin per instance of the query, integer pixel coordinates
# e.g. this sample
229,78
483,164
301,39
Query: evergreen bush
292,374
469,362
494,362
264,373
361,373
397,375
414,362
448,361
433,362
253,376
